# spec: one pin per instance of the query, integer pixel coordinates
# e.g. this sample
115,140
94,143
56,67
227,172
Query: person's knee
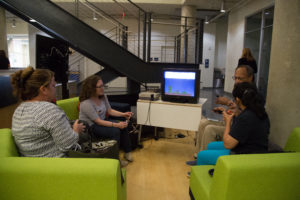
115,133
202,157
203,123
212,130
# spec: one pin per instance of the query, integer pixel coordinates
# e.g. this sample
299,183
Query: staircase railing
185,46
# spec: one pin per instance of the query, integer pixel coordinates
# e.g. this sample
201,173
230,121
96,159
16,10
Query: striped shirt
41,129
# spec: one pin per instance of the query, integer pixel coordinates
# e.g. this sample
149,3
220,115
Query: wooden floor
159,170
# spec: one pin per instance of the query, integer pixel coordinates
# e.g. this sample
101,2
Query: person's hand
78,128
218,110
128,115
222,101
228,116
231,105
121,125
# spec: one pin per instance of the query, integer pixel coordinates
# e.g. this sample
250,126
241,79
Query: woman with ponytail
244,133
39,127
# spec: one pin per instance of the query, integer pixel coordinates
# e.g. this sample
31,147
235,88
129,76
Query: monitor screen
180,83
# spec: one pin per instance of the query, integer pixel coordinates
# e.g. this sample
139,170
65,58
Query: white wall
235,37
21,27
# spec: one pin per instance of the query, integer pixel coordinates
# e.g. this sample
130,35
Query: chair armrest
70,106
200,181
293,142
257,176
60,178
7,145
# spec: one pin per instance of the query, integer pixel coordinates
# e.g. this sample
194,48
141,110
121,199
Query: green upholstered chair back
293,143
70,106
7,144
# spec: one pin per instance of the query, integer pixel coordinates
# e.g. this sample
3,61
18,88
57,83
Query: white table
164,114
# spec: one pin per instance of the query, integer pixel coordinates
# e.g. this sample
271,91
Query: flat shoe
191,163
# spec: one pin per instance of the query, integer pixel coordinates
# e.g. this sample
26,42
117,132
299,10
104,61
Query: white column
32,32
209,43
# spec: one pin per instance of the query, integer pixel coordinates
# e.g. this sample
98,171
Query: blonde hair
26,83
247,54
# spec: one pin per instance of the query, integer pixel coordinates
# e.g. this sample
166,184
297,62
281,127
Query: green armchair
270,176
57,178
70,106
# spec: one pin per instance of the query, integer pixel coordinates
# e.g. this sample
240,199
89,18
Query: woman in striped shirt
39,127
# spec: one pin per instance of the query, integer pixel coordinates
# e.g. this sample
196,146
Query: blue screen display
180,83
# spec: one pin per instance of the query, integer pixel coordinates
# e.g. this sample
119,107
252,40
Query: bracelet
112,124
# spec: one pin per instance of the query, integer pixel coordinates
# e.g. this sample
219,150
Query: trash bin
218,79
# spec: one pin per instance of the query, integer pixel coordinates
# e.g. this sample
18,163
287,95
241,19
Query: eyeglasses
237,78
101,86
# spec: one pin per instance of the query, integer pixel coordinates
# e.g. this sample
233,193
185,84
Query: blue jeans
113,133
211,155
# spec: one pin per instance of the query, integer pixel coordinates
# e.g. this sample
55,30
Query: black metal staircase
60,24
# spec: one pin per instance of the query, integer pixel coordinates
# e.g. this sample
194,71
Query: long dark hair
248,94
88,88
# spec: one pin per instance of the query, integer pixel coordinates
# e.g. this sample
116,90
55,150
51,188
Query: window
18,50
258,37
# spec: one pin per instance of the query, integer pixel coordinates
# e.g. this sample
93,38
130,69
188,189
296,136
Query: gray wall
283,97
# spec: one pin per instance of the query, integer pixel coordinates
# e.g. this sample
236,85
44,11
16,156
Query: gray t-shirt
89,111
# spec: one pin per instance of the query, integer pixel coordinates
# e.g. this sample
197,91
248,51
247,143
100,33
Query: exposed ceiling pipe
228,10
173,24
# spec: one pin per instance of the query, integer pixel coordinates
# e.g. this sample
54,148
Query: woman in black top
247,59
244,133
4,62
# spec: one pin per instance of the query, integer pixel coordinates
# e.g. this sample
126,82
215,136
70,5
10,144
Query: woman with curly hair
95,110
39,127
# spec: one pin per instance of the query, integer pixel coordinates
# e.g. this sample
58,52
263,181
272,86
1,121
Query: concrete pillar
283,94
3,36
188,11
